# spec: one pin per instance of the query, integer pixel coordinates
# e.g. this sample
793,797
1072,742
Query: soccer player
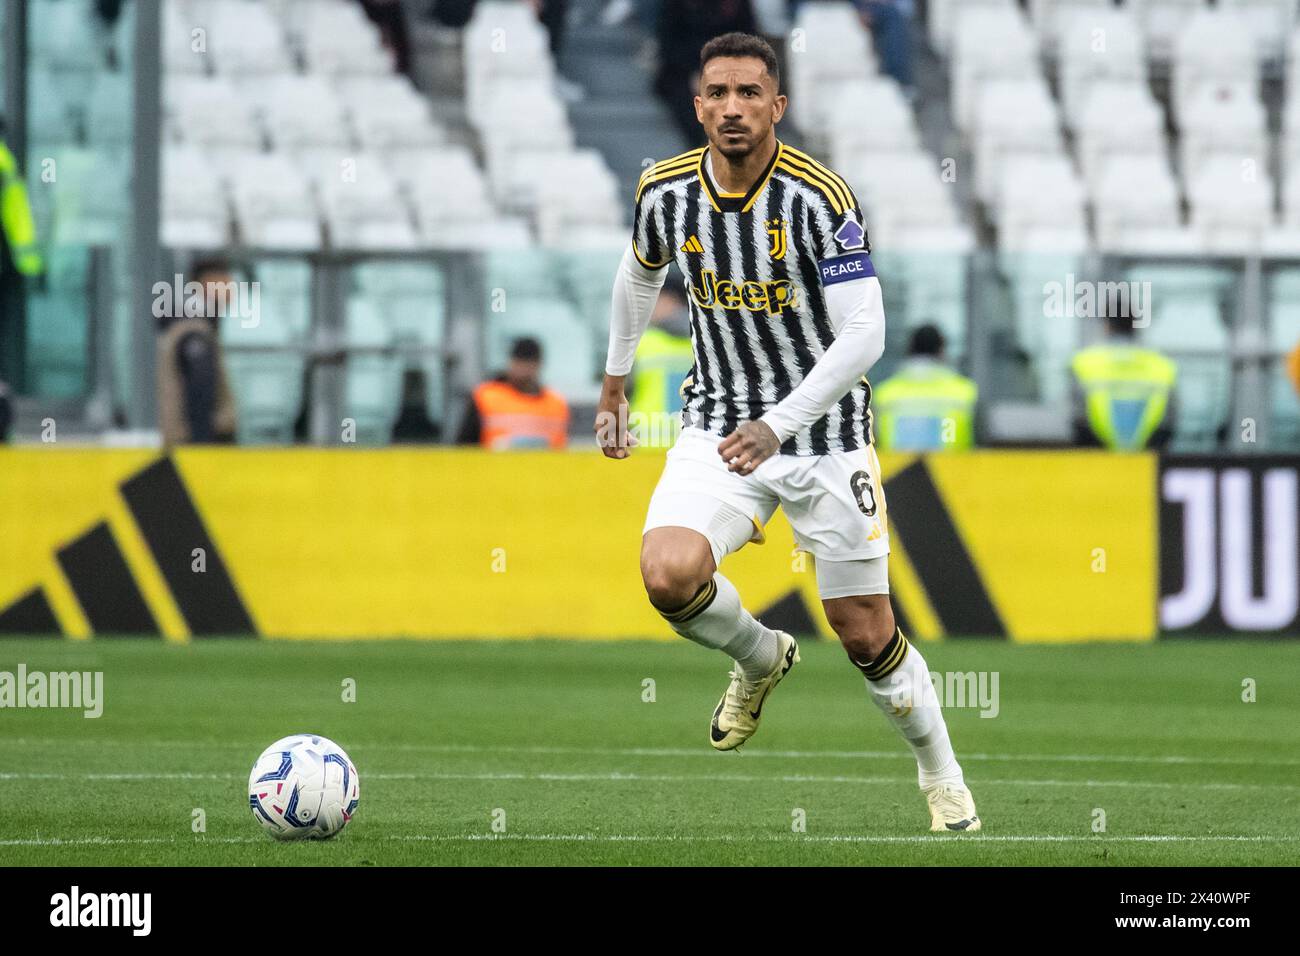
786,319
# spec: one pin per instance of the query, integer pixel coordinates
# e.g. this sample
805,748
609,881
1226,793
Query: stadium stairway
621,116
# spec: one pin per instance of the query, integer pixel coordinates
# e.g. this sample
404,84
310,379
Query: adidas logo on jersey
692,244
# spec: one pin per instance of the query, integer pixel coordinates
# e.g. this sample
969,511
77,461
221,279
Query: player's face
738,104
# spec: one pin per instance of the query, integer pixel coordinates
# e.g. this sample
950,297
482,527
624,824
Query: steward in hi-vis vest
514,410
925,405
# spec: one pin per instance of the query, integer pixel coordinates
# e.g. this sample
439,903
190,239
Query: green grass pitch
556,737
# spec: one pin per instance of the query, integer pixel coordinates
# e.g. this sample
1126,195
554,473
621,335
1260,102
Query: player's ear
699,110
778,107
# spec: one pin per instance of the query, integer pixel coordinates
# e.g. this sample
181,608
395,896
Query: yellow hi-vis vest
663,362
925,406
1126,392
16,217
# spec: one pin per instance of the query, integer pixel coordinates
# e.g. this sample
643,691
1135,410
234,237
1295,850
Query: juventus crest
776,230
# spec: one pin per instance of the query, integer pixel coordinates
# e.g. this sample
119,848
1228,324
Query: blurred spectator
108,11
1123,393
925,405
553,15
684,27
617,12
413,423
452,13
890,23
6,412
20,258
195,404
514,409
663,360
390,17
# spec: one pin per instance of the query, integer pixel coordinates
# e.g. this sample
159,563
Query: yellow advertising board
452,543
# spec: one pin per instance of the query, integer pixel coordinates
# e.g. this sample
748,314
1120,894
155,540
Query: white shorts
835,505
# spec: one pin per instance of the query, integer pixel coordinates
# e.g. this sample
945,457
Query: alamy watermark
946,689
1085,299
78,690
211,300
648,429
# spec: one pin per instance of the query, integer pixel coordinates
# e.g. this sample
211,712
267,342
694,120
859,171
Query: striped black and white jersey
753,270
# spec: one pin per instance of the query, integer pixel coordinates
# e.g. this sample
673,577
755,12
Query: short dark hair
1119,320
742,44
207,265
926,340
526,349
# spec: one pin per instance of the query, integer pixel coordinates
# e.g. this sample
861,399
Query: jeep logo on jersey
769,297
850,233
864,492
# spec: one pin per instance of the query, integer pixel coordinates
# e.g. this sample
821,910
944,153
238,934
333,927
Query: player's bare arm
636,287
612,433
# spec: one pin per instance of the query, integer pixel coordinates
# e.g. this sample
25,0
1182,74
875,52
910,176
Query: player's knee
671,580
863,624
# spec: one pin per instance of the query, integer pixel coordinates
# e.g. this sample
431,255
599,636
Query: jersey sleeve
647,241
839,237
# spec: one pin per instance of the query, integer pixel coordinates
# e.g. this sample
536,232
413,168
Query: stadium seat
1231,204
835,51
1097,45
889,124
373,374
1133,193
50,122
568,365
210,111
1011,118
1187,325
1215,46
338,39
299,112
988,43
62,36
942,18
243,37
1224,119
1162,20
58,319
108,112
360,201
1117,117
264,359
900,191
195,211
1050,17
273,204
1040,192
184,50
410,298
1270,22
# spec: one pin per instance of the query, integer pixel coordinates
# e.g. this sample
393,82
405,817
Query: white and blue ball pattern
303,787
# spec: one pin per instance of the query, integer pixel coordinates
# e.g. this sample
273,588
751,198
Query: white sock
906,697
716,619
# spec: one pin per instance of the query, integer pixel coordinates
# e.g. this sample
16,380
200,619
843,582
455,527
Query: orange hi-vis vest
513,419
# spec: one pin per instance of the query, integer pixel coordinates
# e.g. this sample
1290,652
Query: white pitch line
939,839
703,752
615,776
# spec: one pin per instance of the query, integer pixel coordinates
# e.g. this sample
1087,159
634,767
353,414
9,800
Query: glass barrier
395,343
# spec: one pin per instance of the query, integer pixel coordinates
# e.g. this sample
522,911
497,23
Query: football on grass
303,787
